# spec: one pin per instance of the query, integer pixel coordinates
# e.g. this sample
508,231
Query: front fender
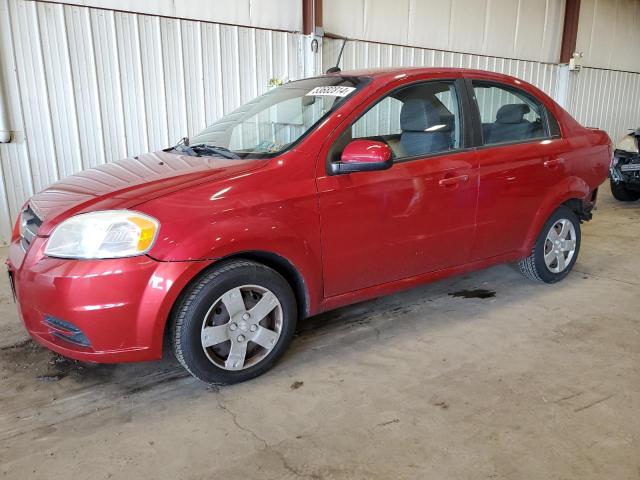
273,213
268,239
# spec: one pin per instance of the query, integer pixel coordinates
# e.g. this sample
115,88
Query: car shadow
28,364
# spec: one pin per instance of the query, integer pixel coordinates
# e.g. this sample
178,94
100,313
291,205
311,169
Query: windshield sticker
331,91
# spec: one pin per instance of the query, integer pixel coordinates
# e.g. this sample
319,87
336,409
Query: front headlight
628,144
106,234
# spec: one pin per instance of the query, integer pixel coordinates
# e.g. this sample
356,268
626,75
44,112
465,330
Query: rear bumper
104,311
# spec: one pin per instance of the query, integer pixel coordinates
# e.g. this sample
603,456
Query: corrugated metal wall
607,99
609,34
88,86
273,14
528,29
92,86
359,54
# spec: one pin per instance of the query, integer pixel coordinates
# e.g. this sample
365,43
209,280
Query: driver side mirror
363,156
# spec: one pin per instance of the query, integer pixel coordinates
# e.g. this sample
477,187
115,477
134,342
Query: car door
416,217
520,160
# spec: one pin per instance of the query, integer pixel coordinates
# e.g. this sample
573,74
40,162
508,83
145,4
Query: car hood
130,182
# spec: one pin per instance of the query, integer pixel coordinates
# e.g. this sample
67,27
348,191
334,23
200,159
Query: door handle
554,162
451,181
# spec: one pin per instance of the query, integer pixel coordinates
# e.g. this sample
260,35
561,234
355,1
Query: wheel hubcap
242,327
560,246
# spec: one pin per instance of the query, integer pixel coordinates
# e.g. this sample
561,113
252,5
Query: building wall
91,85
359,54
606,99
273,14
88,86
609,34
522,29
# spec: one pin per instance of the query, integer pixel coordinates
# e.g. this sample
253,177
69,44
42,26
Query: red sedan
320,193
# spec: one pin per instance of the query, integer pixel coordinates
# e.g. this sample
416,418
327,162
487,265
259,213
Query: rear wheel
622,193
234,322
556,249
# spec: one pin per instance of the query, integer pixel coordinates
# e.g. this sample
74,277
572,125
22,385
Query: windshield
272,122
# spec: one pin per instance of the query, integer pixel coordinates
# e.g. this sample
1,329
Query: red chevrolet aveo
320,193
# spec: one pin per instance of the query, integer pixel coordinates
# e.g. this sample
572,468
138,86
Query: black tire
622,193
199,298
534,266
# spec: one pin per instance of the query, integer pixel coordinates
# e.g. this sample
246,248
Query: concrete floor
540,382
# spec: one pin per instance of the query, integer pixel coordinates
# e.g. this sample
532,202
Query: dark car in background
624,173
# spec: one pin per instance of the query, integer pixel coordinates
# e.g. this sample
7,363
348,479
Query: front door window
415,121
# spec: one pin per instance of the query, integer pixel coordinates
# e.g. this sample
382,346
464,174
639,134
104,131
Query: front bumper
120,306
626,169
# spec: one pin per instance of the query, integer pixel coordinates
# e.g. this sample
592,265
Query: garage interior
485,375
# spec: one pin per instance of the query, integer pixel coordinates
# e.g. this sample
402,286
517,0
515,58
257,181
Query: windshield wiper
183,147
214,149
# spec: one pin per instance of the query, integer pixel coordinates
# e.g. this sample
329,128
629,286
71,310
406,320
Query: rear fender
569,188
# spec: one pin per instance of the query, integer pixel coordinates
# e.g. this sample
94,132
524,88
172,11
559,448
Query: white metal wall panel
294,54
230,67
527,29
429,23
94,85
17,184
609,34
212,71
539,30
85,86
371,55
275,14
57,67
605,99
193,76
153,81
264,56
15,178
135,116
5,218
34,94
247,70
279,59
107,59
173,63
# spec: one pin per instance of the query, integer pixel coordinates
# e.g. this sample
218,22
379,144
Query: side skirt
388,288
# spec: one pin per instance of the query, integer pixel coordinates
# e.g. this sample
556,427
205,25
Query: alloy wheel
560,245
242,327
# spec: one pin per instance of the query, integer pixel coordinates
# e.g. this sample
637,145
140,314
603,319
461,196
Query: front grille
29,226
629,170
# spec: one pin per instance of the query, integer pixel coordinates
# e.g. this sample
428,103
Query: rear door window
508,115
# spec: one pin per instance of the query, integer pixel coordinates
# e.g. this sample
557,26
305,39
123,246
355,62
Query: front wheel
234,322
622,193
556,249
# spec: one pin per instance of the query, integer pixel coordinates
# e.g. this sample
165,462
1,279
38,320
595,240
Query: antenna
337,69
